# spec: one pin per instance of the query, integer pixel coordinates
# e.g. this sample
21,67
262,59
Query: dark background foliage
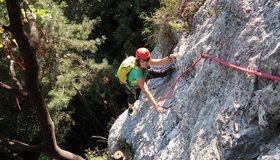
120,24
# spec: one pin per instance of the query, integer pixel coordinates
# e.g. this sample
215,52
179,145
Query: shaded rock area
214,112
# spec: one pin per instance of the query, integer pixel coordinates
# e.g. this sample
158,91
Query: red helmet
142,53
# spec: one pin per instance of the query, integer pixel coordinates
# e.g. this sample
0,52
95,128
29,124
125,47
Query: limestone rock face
214,112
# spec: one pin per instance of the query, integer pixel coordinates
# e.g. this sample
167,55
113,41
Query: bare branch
14,144
13,76
3,85
18,92
12,90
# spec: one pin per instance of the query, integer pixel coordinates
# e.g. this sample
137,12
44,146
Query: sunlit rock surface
214,112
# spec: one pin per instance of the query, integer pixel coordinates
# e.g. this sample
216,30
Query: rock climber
137,77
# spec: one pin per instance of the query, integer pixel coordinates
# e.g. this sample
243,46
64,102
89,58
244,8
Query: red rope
268,76
173,86
203,55
20,64
15,59
42,52
11,54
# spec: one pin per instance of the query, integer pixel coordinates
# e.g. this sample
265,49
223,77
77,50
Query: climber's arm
164,60
144,87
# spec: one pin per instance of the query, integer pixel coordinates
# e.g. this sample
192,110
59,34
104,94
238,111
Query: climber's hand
173,56
161,110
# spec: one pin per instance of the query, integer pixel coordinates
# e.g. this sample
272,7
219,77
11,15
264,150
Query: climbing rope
260,74
203,55
177,79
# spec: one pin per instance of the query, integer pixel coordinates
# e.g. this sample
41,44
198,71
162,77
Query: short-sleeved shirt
133,75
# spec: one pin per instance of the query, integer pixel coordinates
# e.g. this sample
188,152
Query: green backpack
126,66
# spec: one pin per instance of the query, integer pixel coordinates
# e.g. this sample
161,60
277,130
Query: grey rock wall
214,112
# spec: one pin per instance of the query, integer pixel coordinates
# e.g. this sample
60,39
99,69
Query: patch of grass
96,154
212,11
173,17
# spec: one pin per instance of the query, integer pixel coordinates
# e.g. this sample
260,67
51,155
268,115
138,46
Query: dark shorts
132,95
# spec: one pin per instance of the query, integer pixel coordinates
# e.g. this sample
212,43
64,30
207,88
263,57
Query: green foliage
69,35
96,154
40,14
3,21
72,78
172,17
69,74
43,157
3,13
66,69
166,12
120,24
160,25
177,26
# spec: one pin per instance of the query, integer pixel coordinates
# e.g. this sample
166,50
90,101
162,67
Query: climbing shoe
130,112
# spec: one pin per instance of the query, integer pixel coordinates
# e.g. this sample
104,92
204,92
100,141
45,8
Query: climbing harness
204,55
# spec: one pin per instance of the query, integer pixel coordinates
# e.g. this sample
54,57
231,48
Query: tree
120,23
27,48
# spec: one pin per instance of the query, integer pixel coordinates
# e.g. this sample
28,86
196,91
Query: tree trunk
27,49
